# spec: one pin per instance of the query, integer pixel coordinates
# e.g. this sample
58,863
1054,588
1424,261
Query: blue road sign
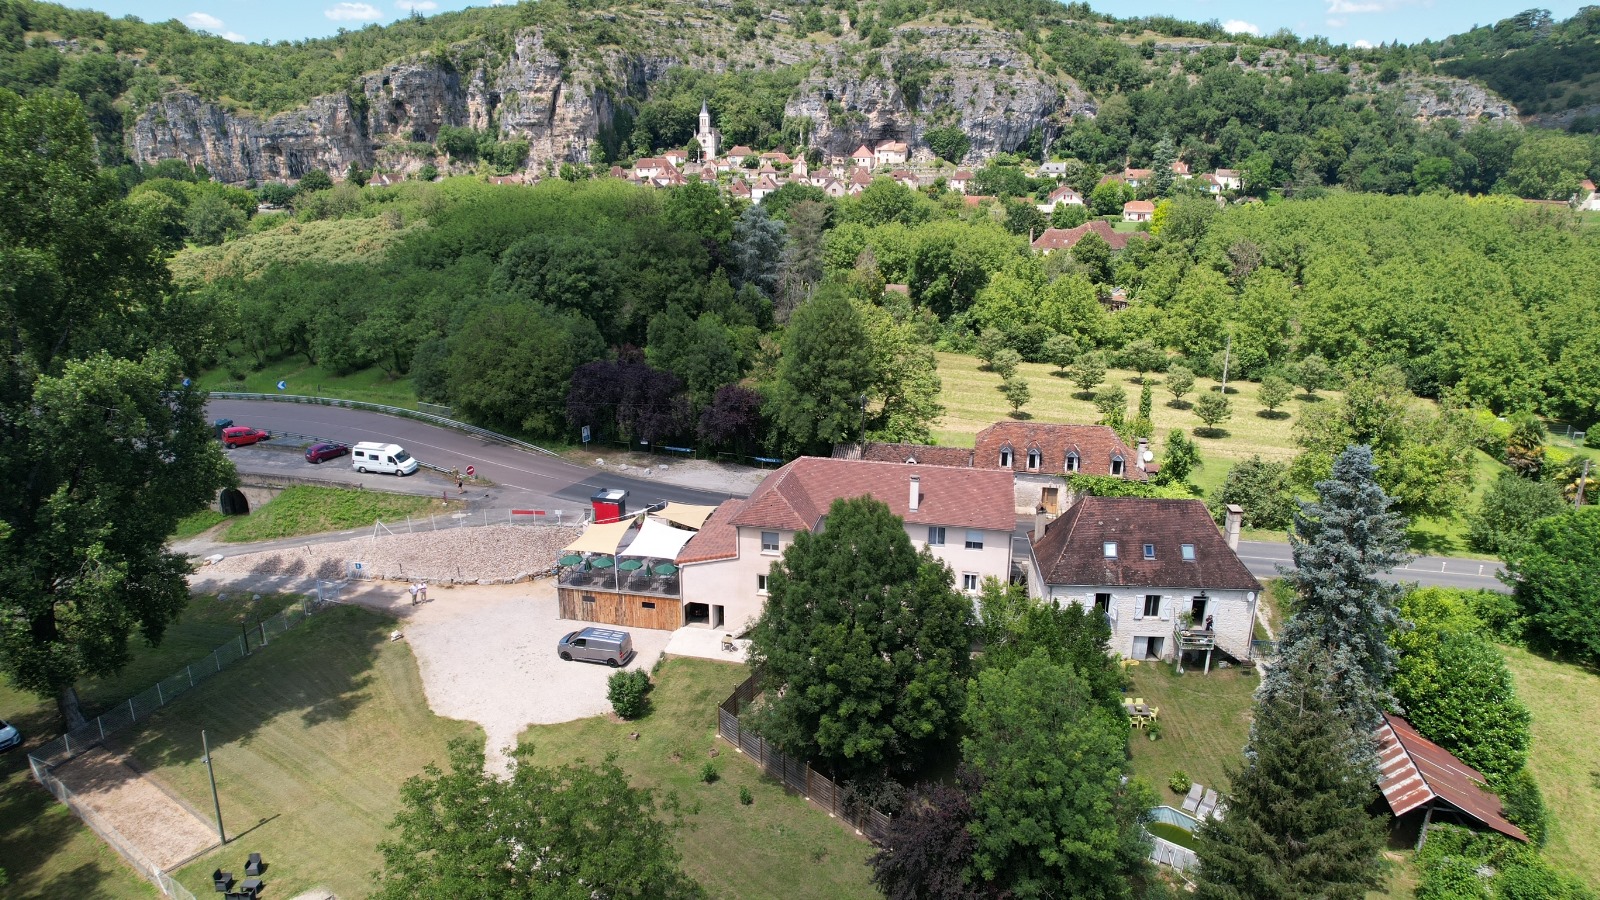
282,385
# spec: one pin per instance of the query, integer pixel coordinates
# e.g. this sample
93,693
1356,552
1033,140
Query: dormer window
1005,457
1033,460
1116,465
1187,551
1149,551
1072,461
1111,549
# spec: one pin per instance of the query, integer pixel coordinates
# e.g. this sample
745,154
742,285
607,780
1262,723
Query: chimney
1040,520
1143,454
916,491
1234,520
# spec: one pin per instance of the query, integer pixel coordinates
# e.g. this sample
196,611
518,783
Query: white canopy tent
658,540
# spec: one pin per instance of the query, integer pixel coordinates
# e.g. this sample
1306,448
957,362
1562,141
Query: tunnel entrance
232,502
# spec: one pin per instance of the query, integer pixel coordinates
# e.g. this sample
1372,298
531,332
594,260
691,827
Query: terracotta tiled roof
796,496
1094,444
861,177
892,147
1065,192
920,454
1138,206
976,199
716,539
740,150
1414,772
862,152
1588,185
1179,167
1072,550
1137,173
1064,239
961,175
1227,173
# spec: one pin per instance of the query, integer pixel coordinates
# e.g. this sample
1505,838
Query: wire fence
86,737
168,885
795,775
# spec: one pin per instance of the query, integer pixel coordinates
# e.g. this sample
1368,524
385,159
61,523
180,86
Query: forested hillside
1543,66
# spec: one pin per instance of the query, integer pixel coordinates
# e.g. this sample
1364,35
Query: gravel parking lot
492,553
488,655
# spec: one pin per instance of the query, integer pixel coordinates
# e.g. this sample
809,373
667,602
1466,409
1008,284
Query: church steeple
706,137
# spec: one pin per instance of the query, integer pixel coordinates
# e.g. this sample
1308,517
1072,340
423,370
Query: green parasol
604,562
628,565
665,569
571,559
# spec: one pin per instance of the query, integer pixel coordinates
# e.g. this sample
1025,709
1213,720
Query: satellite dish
1148,456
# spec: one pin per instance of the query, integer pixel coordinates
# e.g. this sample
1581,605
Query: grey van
614,648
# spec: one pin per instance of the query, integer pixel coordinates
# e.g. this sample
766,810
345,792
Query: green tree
1548,166
863,645
1274,392
1312,374
1344,611
1213,410
314,180
1005,362
1060,351
1179,381
1143,356
948,142
1262,489
102,448
1453,685
1016,392
1107,198
510,366
1297,823
1088,370
210,220
1161,160
1068,215
1112,401
467,833
1182,458
1510,506
1053,816
903,395
823,375
1555,576
757,249
990,342
1093,254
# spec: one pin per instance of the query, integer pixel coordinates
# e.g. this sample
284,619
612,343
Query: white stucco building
1159,569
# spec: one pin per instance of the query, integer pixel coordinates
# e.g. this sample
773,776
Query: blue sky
1345,21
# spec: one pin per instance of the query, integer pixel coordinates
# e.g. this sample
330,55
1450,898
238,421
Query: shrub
1180,783
1261,488
629,693
709,773
1523,803
1509,508
744,796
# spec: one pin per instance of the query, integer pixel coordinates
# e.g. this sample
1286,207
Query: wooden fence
795,775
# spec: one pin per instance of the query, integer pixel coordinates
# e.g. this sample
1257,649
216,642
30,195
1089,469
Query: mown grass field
304,509
1205,721
47,851
778,847
353,240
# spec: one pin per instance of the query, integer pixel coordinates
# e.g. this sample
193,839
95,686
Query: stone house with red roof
1160,571
963,517
1052,239
1138,211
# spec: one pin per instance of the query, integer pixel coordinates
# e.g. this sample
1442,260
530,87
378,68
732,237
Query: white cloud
353,12
203,20
1345,7
1362,44
236,37
1239,26
417,5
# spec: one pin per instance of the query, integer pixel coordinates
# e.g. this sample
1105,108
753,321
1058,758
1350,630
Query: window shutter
1166,608
1138,608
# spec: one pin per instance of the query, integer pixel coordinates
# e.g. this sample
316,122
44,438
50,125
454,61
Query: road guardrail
401,412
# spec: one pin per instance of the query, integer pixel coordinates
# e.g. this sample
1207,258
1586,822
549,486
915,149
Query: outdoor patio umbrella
571,559
628,565
665,569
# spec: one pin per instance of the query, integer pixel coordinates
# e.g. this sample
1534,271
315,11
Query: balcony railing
1194,638
619,583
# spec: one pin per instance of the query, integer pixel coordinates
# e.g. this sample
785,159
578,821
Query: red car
242,436
323,452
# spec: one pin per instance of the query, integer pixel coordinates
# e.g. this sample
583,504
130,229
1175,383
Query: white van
368,456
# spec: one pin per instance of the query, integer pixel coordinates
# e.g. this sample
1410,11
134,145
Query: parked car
9,736
243,436
323,452
614,648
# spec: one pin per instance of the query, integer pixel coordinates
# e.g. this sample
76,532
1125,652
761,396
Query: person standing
414,593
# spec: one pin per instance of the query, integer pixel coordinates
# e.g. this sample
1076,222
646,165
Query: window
935,535
974,540
769,542
1149,551
647,604
969,581
1187,551
761,584
588,598
1116,465
1111,549
1102,602
1033,460
1072,461
1005,457
1152,604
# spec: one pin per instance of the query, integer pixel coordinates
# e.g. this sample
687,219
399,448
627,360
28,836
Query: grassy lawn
45,849
199,523
312,737
304,509
1565,757
973,402
369,385
780,846
1205,721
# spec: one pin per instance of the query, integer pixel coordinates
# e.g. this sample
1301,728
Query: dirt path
157,825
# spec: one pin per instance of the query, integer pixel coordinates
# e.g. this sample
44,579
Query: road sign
470,471
186,382
282,385
586,434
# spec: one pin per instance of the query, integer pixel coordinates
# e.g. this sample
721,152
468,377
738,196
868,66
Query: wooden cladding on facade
611,608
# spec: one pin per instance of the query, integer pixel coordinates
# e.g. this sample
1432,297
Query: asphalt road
531,480
521,479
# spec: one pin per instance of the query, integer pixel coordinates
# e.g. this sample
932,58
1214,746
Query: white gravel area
491,554
488,655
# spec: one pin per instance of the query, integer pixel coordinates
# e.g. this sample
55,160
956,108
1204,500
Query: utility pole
1227,354
222,836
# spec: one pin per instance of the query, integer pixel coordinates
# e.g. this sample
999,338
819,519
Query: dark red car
323,452
242,436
